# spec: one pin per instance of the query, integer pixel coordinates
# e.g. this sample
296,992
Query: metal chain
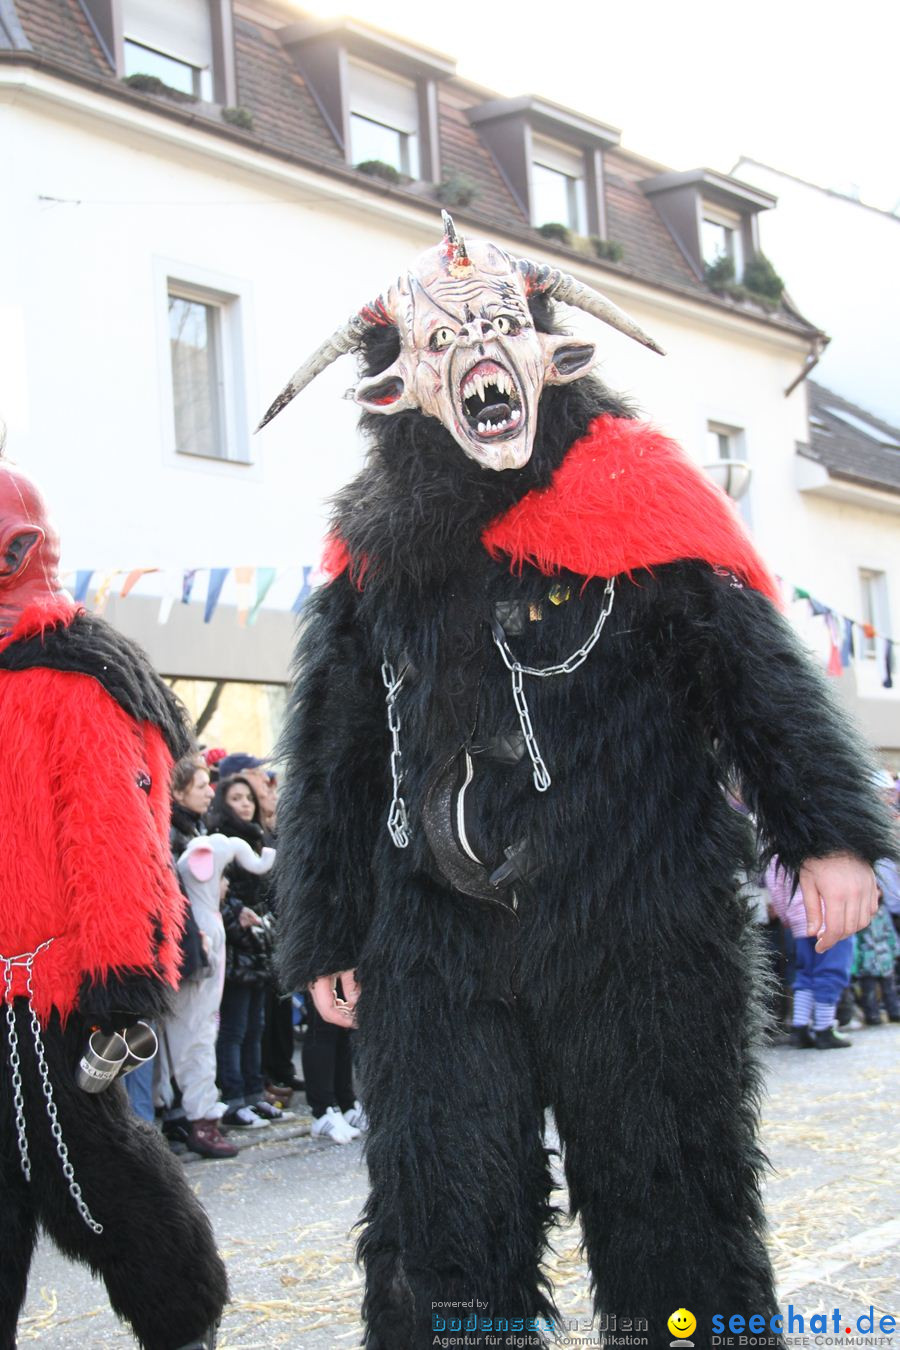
540,774
15,1069
26,961
397,821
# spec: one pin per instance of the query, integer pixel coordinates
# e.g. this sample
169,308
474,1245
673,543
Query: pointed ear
386,392
566,358
17,549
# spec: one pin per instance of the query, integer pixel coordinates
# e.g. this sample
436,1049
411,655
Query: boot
208,1140
830,1039
802,1038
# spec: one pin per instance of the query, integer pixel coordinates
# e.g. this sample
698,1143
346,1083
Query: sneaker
830,1039
269,1111
243,1118
802,1038
208,1140
333,1126
356,1117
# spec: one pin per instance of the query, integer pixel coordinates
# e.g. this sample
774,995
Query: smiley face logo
682,1323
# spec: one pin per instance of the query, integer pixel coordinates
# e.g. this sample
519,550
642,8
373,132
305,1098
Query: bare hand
248,918
843,887
329,1004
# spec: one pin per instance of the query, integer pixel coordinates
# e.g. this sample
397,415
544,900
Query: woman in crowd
246,912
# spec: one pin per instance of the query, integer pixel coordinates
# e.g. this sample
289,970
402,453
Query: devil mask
29,546
469,352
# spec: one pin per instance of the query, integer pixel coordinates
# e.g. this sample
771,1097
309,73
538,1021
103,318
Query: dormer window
710,215
171,39
384,118
551,158
378,94
721,237
557,185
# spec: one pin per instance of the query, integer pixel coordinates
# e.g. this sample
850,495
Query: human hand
329,1004
842,888
248,918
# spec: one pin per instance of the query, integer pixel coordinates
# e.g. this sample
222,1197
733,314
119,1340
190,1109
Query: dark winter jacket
248,951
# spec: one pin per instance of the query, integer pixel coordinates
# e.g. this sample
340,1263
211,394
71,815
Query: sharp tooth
479,385
481,428
515,414
503,382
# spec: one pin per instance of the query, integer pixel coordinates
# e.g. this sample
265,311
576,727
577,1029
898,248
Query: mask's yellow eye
507,325
441,338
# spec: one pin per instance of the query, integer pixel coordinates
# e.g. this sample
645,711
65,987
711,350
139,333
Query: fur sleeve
804,769
118,890
335,751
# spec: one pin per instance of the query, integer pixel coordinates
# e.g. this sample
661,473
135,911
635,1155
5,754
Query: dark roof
856,445
288,122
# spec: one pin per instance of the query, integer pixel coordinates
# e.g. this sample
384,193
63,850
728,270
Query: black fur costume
621,990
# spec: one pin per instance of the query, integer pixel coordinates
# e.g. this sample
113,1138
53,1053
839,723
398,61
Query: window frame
106,18
232,300
875,605
410,142
731,221
576,183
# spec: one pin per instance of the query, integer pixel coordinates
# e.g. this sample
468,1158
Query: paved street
284,1209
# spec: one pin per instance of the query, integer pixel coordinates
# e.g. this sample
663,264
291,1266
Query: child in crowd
819,977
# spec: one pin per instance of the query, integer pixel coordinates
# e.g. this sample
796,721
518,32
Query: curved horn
542,279
456,245
346,339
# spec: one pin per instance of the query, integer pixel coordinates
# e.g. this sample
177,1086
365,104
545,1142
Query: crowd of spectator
226,1059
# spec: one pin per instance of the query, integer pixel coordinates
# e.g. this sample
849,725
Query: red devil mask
29,547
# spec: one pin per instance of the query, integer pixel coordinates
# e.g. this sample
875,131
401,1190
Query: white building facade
166,268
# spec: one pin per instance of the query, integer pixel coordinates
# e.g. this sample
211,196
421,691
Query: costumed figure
546,646
190,1030
90,912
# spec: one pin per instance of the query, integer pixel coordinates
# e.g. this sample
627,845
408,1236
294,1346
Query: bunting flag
133,578
102,595
304,591
244,578
264,578
888,681
187,584
217,577
82,582
847,645
172,588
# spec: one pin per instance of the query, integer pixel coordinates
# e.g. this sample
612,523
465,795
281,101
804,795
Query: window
204,361
720,237
722,441
384,118
874,605
726,463
171,39
557,185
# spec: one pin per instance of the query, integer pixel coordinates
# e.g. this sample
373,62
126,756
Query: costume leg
460,1185
18,1223
646,1051
156,1254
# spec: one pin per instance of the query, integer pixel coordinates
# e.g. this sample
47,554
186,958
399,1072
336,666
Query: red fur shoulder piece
627,497
41,615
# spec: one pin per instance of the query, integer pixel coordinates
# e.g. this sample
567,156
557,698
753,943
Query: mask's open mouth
491,401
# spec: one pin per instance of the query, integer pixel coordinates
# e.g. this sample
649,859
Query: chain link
397,821
540,774
26,961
